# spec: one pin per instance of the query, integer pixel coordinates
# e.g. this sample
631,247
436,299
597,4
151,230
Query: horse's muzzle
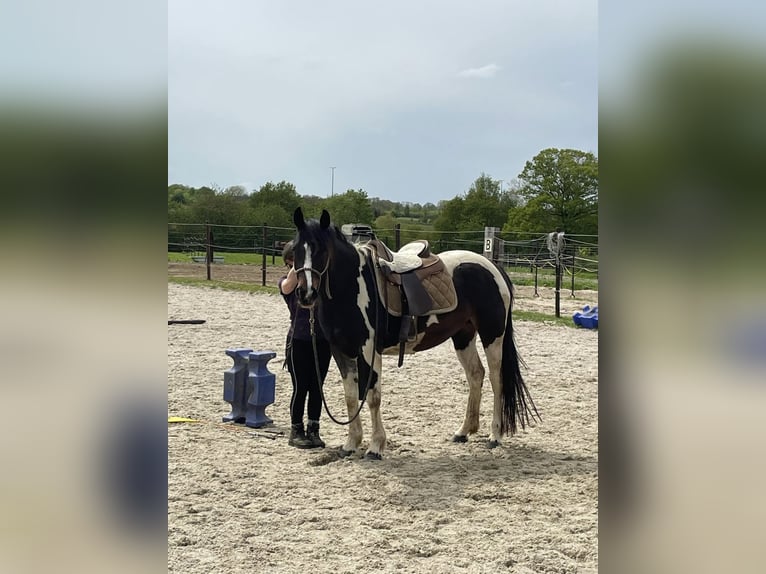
306,298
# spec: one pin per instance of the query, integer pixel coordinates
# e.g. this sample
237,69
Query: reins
374,349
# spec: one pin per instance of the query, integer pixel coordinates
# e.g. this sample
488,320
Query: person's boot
312,435
298,436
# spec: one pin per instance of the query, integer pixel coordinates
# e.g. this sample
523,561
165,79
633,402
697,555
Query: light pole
501,187
332,185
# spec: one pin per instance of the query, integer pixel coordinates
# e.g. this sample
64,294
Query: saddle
413,282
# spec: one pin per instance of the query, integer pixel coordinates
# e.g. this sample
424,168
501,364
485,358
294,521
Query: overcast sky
409,100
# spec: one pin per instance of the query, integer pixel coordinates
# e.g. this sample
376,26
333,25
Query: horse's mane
313,228
339,235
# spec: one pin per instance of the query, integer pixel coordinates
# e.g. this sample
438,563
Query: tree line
556,191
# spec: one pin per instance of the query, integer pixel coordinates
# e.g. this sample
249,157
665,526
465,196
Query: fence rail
528,253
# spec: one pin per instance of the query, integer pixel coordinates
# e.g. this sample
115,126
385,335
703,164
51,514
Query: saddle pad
439,287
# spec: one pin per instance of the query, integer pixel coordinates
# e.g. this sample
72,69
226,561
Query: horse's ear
324,221
300,223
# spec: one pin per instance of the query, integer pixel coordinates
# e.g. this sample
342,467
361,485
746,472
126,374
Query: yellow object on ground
182,420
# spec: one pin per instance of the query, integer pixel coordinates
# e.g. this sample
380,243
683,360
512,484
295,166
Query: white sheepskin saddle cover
406,259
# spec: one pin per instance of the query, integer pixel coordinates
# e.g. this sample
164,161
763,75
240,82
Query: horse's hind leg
465,347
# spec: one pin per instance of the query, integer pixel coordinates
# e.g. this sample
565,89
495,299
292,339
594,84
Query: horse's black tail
518,406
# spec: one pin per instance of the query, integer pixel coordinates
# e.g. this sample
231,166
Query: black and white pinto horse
339,280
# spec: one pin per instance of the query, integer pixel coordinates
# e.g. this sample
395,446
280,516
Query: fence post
491,243
263,258
536,293
273,242
208,248
556,247
558,287
397,236
573,271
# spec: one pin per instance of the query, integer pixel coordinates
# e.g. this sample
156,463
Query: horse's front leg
348,370
378,438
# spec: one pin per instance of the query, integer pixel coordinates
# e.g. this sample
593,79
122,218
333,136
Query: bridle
319,276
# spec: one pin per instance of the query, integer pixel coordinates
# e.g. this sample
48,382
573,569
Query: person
300,362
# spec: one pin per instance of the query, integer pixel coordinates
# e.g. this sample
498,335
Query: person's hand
290,282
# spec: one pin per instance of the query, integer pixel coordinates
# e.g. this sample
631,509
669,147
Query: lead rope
374,351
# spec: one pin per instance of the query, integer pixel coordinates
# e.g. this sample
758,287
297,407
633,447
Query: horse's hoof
493,444
373,455
343,453
459,438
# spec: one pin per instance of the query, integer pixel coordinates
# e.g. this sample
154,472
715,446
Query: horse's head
312,255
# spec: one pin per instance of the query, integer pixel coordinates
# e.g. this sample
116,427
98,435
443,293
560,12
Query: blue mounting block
260,388
587,318
249,387
235,384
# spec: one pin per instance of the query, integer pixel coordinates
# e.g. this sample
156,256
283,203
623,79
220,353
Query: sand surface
239,502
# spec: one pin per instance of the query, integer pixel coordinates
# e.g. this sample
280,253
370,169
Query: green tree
179,203
385,221
235,191
484,205
271,215
280,194
311,206
218,207
273,204
382,206
560,192
385,224
430,212
351,207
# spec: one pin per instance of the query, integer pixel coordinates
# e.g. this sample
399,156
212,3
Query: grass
229,258
252,288
545,279
226,285
538,317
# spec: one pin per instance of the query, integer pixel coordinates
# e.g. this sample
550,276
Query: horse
339,281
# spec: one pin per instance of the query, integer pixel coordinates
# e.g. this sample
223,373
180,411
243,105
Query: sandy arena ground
241,503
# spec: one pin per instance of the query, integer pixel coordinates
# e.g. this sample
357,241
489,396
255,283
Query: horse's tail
518,406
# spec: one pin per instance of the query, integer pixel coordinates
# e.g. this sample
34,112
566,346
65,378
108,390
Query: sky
409,101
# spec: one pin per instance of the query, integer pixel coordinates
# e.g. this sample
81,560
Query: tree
484,205
311,206
382,206
271,215
385,224
560,189
235,191
273,204
351,207
280,194
218,207
179,200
